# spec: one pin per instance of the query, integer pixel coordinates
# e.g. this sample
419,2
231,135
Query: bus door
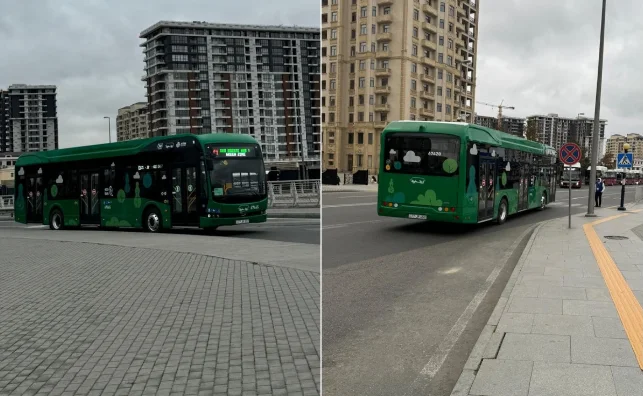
186,199
523,192
487,190
34,195
89,203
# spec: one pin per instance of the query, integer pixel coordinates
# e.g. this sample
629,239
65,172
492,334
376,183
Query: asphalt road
404,301
281,230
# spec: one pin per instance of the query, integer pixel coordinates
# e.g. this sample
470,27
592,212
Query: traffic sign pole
570,154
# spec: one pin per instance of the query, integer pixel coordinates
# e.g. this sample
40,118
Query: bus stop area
569,321
127,312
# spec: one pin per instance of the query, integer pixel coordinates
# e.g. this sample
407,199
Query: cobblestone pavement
82,318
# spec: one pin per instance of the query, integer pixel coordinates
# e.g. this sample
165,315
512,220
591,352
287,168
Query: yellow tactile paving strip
627,306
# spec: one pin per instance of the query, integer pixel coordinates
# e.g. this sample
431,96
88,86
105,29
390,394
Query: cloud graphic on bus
411,157
40,171
474,150
21,172
59,180
392,152
136,176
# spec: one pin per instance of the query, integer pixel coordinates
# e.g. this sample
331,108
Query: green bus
207,181
461,173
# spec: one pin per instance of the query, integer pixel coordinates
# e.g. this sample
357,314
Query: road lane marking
628,307
341,225
347,205
435,363
357,196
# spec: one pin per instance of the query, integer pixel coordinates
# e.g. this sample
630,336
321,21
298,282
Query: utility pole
597,119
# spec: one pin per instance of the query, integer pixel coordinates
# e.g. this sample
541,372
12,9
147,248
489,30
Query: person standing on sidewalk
598,196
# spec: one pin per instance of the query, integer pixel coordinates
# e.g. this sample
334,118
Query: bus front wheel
502,211
543,201
152,220
56,221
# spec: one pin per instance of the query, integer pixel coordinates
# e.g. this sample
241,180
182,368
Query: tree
608,160
532,130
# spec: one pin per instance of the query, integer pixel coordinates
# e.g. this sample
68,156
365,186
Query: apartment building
511,125
28,118
614,145
581,131
389,60
132,122
555,130
257,80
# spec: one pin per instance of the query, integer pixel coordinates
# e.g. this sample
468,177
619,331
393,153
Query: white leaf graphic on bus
508,167
21,172
136,176
474,150
411,157
59,180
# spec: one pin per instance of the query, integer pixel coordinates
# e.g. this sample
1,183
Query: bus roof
118,149
474,133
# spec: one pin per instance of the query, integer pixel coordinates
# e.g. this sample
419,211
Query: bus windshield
237,174
575,174
422,154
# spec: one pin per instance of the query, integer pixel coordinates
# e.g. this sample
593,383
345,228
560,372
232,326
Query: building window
442,7
416,15
441,41
363,29
333,17
441,23
363,12
439,108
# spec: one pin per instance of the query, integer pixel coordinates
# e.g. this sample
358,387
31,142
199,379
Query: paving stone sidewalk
81,318
555,330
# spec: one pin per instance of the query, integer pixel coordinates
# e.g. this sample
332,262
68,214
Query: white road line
443,350
347,205
341,225
357,196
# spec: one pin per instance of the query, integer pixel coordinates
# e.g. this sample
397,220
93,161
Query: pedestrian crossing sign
624,160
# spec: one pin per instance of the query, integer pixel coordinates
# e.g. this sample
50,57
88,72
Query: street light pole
597,119
109,128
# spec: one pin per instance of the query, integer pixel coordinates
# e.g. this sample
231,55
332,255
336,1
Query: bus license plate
417,217
246,221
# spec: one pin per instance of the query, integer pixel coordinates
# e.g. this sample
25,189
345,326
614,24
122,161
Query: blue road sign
569,153
624,160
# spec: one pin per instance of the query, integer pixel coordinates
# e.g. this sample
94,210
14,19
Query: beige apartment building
132,122
385,60
615,144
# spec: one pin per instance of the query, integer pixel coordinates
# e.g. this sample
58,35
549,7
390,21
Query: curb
294,216
488,338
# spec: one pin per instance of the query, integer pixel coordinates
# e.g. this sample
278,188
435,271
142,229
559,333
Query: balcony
426,112
388,36
384,2
383,89
381,54
429,44
472,19
380,124
428,61
384,72
428,77
427,95
385,18
430,9
430,27
383,108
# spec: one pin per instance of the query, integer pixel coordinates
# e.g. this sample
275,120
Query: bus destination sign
233,151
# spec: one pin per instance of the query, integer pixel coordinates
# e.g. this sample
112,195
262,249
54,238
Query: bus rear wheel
502,211
543,201
56,220
152,220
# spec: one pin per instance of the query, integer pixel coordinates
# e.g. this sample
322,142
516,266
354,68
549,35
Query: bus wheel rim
542,201
503,211
56,221
153,222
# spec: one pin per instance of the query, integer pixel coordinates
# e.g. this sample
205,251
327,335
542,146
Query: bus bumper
424,214
208,222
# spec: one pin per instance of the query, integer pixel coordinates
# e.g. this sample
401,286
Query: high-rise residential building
555,130
28,120
257,80
614,145
132,122
390,60
511,125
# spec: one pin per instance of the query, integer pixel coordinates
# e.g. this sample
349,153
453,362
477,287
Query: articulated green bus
461,173
183,180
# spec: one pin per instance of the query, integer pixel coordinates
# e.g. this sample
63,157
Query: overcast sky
90,49
542,57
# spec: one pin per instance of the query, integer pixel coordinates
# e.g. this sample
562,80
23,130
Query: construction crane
500,107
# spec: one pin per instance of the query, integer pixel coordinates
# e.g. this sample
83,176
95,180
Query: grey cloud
90,49
542,57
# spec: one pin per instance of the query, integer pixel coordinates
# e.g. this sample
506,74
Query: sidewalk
326,188
558,328
293,213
